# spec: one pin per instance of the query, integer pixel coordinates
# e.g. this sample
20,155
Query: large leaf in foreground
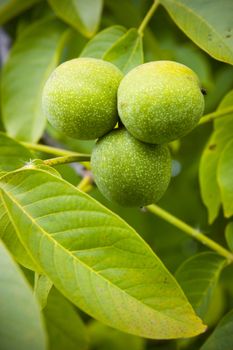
198,277
95,259
21,326
221,338
33,57
207,23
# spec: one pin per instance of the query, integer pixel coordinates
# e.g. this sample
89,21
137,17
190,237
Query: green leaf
11,8
12,154
96,259
66,329
42,288
229,235
221,338
21,326
225,178
102,42
208,24
82,15
223,132
127,52
105,338
9,236
198,277
33,57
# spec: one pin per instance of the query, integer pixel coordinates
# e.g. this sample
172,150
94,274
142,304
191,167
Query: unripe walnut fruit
160,101
80,98
130,172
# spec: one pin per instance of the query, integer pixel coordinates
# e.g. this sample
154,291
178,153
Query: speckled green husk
130,172
160,101
80,98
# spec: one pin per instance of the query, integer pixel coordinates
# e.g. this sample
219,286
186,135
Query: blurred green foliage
162,40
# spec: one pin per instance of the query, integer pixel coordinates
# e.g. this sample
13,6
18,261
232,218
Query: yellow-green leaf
95,258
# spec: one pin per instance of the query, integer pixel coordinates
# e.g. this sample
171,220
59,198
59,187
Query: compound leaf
127,52
198,277
34,55
21,326
94,258
208,24
82,15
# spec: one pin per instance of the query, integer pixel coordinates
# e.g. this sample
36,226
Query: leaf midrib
72,256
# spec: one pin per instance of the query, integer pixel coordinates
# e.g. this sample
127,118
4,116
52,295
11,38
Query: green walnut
160,101
80,98
128,171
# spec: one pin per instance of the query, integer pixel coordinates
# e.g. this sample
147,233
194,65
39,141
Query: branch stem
147,17
85,184
153,208
217,114
48,149
67,159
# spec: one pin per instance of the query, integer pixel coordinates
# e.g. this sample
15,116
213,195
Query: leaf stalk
67,159
48,149
147,17
153,208
214,115
85,184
